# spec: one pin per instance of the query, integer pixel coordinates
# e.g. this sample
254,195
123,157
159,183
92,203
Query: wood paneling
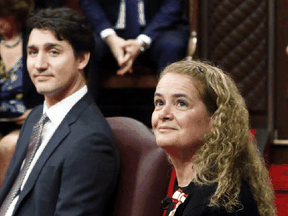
281,60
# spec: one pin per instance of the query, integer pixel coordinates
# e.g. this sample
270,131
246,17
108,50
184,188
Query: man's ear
83,60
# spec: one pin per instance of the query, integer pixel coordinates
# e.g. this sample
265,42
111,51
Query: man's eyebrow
31,47
157,94
47,45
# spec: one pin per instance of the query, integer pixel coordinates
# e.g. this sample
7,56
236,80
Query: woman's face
180,118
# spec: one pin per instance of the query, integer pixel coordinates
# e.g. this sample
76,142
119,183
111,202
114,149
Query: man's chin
44,91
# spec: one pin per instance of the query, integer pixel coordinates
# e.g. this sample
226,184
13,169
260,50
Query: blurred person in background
17,93
155,32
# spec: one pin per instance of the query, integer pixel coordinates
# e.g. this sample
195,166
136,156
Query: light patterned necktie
35,141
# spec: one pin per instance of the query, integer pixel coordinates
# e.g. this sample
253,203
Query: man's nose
41,62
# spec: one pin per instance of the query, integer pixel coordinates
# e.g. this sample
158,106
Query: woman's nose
166,112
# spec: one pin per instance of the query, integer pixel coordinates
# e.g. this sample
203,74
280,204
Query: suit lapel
20,152
61,132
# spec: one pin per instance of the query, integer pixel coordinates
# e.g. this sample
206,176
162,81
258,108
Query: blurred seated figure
152,31
17,94
201,122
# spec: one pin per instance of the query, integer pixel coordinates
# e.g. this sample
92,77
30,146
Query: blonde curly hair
229,154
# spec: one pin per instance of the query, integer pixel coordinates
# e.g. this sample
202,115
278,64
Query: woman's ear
83,60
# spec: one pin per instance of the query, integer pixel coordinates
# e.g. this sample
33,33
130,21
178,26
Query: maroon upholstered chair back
144,172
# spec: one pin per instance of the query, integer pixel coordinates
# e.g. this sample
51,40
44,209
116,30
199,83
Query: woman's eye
158,102
181,103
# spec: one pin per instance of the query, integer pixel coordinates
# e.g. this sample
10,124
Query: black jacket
196,203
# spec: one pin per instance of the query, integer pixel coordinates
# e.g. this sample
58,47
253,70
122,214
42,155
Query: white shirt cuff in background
107,32
144,39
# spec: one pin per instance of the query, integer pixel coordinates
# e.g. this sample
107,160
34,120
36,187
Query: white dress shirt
56,114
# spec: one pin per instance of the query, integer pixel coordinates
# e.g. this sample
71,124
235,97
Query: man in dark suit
75,167
153,31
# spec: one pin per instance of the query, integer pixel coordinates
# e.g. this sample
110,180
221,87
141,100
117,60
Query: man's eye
54,52
32,52
158,102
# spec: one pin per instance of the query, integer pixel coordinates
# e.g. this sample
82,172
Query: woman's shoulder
247,200
198,200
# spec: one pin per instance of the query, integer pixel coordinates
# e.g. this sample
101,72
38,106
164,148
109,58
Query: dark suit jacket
160,15
76,173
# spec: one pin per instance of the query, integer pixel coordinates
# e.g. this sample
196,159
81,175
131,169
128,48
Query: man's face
52,66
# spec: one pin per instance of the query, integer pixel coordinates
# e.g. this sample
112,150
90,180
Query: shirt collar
58,111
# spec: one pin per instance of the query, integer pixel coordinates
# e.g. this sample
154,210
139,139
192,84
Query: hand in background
117,47
126,67
132,49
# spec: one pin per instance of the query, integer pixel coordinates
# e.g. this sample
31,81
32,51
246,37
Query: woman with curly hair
201,122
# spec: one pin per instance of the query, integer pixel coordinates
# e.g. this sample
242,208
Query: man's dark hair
68,25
